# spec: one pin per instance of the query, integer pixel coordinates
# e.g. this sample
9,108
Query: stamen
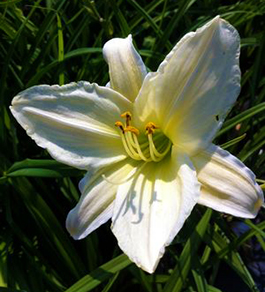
127,145
127,149
130,146
130,138
151,149
139,149
132,129
152,145
119,125
147,151
128,117
150,128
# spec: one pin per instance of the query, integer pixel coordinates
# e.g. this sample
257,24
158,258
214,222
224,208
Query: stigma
154,147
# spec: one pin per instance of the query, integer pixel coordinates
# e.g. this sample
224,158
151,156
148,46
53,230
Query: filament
146,151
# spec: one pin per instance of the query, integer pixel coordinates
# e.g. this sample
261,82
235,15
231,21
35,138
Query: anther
150,128
132,130
128,117
120,125
147,151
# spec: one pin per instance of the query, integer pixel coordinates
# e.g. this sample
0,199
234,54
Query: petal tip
72,226
129,37
111,45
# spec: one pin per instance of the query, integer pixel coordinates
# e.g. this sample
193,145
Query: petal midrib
192,76
77,125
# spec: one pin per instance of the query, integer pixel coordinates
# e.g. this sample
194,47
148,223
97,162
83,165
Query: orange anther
127,115
132,130
150,128
120,125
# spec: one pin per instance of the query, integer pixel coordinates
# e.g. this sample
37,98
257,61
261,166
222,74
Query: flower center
153,148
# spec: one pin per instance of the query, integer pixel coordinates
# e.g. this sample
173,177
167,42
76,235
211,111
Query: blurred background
57,42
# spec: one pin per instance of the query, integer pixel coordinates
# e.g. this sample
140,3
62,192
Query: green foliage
61,41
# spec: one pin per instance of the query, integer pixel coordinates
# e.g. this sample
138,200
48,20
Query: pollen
132,130
139,147
150,128
119,125
128,117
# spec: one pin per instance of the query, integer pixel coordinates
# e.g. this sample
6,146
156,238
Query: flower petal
96,203
151,209
194,87
227,184
126,68
75,122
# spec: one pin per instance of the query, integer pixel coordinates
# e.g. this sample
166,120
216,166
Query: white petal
195,86
151,209
96,203
227,184
75,122
126,68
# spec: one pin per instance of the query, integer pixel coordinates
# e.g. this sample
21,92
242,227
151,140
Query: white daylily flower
145,140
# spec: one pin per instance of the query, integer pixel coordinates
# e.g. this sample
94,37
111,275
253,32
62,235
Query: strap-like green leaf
183,266
100,275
